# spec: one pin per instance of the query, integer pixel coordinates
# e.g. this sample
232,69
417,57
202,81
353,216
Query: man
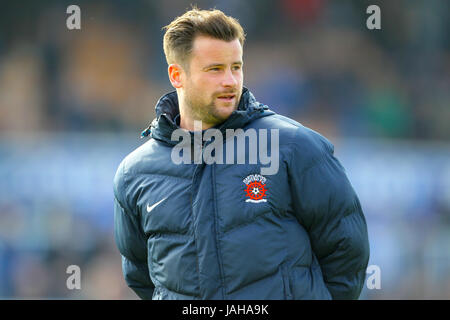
224,229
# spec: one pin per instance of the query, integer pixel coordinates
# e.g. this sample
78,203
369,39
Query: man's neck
191,124
187,121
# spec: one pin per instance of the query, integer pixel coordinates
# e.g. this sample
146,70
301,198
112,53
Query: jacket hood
167,109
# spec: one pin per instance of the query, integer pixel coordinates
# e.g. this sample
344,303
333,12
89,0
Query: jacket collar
167,110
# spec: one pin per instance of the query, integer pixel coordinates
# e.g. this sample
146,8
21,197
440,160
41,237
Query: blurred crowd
312,60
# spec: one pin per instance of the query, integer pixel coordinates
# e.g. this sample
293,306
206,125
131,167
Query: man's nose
229,79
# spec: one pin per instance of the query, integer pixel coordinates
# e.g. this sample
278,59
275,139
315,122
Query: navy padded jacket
202,240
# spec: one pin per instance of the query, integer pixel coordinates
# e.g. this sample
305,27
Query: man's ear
176,73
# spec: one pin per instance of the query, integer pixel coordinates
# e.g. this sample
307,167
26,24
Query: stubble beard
207,111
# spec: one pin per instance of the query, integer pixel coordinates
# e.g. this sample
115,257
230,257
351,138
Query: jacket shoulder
296,137
133,163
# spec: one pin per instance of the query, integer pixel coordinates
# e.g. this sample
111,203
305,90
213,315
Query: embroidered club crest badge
255,190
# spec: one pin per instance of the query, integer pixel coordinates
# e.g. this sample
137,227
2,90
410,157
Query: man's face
213,85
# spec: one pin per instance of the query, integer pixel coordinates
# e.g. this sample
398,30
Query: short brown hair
181,32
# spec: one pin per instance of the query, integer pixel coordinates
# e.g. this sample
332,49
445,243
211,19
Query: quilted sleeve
326,204
130,241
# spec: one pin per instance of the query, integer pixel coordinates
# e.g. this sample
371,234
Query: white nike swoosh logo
150,208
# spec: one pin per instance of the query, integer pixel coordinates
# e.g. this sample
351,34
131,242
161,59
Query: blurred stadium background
73,103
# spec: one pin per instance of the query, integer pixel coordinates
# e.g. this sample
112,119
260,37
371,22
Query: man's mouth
226,97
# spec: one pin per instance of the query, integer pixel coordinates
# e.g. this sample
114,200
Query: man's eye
236,67
214,69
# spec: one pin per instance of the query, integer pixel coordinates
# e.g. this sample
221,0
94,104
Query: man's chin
224,111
